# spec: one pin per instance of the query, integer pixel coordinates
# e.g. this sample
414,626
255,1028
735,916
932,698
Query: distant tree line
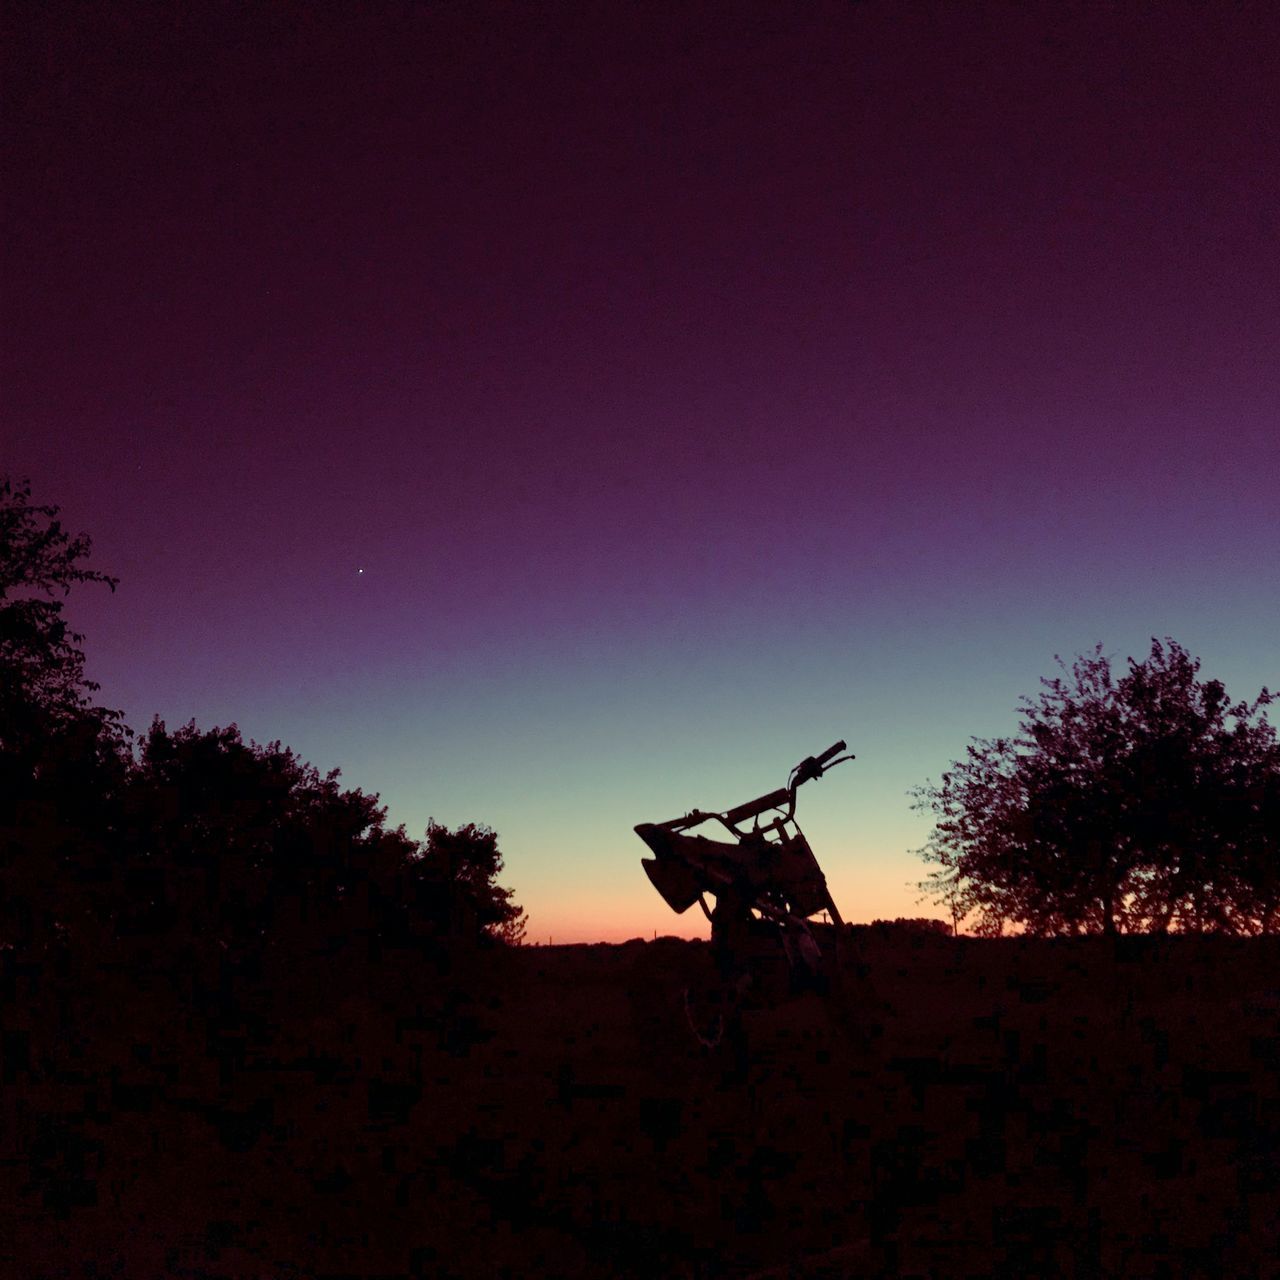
910,926
188,844
1144,801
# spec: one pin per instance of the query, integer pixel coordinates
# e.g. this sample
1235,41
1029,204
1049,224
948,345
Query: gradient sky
693,388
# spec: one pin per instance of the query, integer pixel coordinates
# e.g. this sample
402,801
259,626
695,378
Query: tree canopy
251,846
1145,801
193,840
469,861
44,693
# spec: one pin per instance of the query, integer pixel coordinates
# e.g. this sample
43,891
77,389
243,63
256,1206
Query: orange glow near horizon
648,919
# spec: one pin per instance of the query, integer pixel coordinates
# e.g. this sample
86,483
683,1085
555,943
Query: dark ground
962,1108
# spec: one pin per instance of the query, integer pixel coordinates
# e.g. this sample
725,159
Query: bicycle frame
770,867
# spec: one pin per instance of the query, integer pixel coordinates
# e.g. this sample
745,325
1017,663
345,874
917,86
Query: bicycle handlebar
811,767
774,800
783,798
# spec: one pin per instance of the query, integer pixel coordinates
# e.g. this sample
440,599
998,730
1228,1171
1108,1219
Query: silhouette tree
203,845
63,759
1145,802
469,861
250,849
44,689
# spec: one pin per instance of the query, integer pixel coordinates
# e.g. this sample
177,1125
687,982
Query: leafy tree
248,849
227,838
201,841
916,926
252,849
63,759
1144,802
469,861
43,688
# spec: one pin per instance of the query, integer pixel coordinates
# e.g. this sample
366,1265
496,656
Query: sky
561,417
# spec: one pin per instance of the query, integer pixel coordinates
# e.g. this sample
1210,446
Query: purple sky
692,390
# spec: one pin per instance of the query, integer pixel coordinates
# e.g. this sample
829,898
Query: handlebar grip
831,751
774,800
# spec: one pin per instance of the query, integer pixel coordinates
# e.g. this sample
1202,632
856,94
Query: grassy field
957,1108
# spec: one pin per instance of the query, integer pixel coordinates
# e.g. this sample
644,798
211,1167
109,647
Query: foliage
468,859
249,848
63,759
216,847
919,926
196,843
1144,802
46,708
245,845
